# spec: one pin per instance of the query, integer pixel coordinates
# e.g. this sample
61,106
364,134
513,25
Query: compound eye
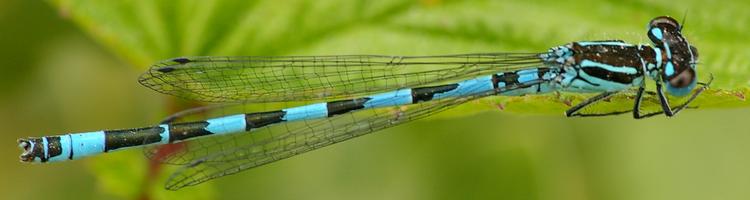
661,27
665,22
683,79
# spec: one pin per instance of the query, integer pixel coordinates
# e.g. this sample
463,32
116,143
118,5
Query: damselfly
359,94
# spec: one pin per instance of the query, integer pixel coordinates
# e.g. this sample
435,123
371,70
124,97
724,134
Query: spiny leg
663,100
637,104
574,110
665,106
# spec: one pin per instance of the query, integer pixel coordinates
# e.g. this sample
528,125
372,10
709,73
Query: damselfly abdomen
360,94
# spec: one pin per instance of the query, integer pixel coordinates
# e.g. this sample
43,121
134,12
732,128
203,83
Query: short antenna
684,18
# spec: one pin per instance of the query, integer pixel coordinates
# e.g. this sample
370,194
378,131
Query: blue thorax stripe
657,52
619,69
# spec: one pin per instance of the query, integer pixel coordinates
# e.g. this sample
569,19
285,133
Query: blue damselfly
359,94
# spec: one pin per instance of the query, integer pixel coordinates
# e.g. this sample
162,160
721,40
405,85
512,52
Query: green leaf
148,31
144,32
123,174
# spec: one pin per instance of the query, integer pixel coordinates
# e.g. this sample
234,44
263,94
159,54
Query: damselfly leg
573,112
641,93
666,109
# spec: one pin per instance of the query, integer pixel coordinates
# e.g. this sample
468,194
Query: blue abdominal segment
78,145
226,125
312,111
468,87
398,97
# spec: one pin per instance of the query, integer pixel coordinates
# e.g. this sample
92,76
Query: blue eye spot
670,69
657,33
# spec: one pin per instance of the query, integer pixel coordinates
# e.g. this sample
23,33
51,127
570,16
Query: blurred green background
70,66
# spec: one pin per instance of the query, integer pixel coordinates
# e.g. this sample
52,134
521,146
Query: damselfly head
679,57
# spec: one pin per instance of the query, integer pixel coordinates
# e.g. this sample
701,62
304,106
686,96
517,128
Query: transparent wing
303,78
286,140
213,157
